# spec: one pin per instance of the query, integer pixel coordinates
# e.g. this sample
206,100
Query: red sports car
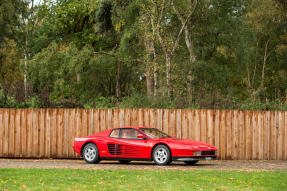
141,143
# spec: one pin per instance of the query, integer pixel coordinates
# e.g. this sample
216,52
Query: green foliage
102,54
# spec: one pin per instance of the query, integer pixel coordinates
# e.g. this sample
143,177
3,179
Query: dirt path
80,164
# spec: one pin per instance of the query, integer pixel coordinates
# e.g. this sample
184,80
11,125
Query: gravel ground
80,164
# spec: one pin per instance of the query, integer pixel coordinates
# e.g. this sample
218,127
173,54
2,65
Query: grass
74,179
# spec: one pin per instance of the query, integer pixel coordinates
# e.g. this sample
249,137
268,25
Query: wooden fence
49,133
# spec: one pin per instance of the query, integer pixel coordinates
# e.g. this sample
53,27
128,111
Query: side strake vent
114,149
207,152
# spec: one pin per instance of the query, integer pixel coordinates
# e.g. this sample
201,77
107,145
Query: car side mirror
140,136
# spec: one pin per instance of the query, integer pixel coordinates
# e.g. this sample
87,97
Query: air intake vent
207,152
114,149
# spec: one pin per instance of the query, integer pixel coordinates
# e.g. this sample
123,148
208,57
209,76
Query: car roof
132,127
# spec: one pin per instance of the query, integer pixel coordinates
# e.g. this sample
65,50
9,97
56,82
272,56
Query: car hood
189,143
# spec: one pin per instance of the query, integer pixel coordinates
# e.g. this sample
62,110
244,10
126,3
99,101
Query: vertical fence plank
277,134
122,118
85,122
178,123
6,132
228,134
165,121
280,135
260,135
54,133
97,120
29,132
159,119
78,123
48,133
223,135
152,118
106,127
110,118
59,133
185,124
210,127
17,141
203,125
71,132
66,137
42,138
217,131
127,117
266,132
116,123
248,134
141,117
197,125
273,145
146,117
11,149
191,124
35,133
235,134
254,136
172,122
134,117
241,133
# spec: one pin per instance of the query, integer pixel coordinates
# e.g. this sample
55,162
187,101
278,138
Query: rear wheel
124,161
161,155
191,162
91,153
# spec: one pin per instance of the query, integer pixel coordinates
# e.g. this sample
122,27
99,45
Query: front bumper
194,158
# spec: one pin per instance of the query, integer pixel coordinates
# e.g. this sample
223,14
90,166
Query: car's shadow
153,164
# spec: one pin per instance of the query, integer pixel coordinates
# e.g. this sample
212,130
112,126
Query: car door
127,145
133,147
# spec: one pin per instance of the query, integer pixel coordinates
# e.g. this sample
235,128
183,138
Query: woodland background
215,54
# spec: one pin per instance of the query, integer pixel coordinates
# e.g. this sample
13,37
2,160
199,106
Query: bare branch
161,12
183,26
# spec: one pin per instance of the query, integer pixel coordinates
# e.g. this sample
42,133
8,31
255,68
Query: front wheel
91,153
161,155
191,162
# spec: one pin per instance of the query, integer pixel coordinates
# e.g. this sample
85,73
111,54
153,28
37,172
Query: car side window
129,134
115,133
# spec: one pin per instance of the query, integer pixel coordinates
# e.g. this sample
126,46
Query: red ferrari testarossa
141,143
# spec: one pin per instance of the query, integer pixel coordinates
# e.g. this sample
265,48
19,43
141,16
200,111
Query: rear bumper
193,158
77,149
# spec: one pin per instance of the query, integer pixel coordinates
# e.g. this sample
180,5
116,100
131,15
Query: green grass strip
74,179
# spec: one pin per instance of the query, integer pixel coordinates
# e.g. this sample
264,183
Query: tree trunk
149,82
118,85
264,64
78,77
149,65
155,71
168,69
25,74
192,59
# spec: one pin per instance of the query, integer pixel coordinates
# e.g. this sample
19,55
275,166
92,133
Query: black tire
124,161
91,153
165,159
191,162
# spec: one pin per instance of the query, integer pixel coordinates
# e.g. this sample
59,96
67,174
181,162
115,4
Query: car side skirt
193,158
121,158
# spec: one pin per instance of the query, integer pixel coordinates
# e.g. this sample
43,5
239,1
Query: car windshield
154,133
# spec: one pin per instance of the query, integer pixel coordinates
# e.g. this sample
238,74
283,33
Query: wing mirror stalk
140,136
